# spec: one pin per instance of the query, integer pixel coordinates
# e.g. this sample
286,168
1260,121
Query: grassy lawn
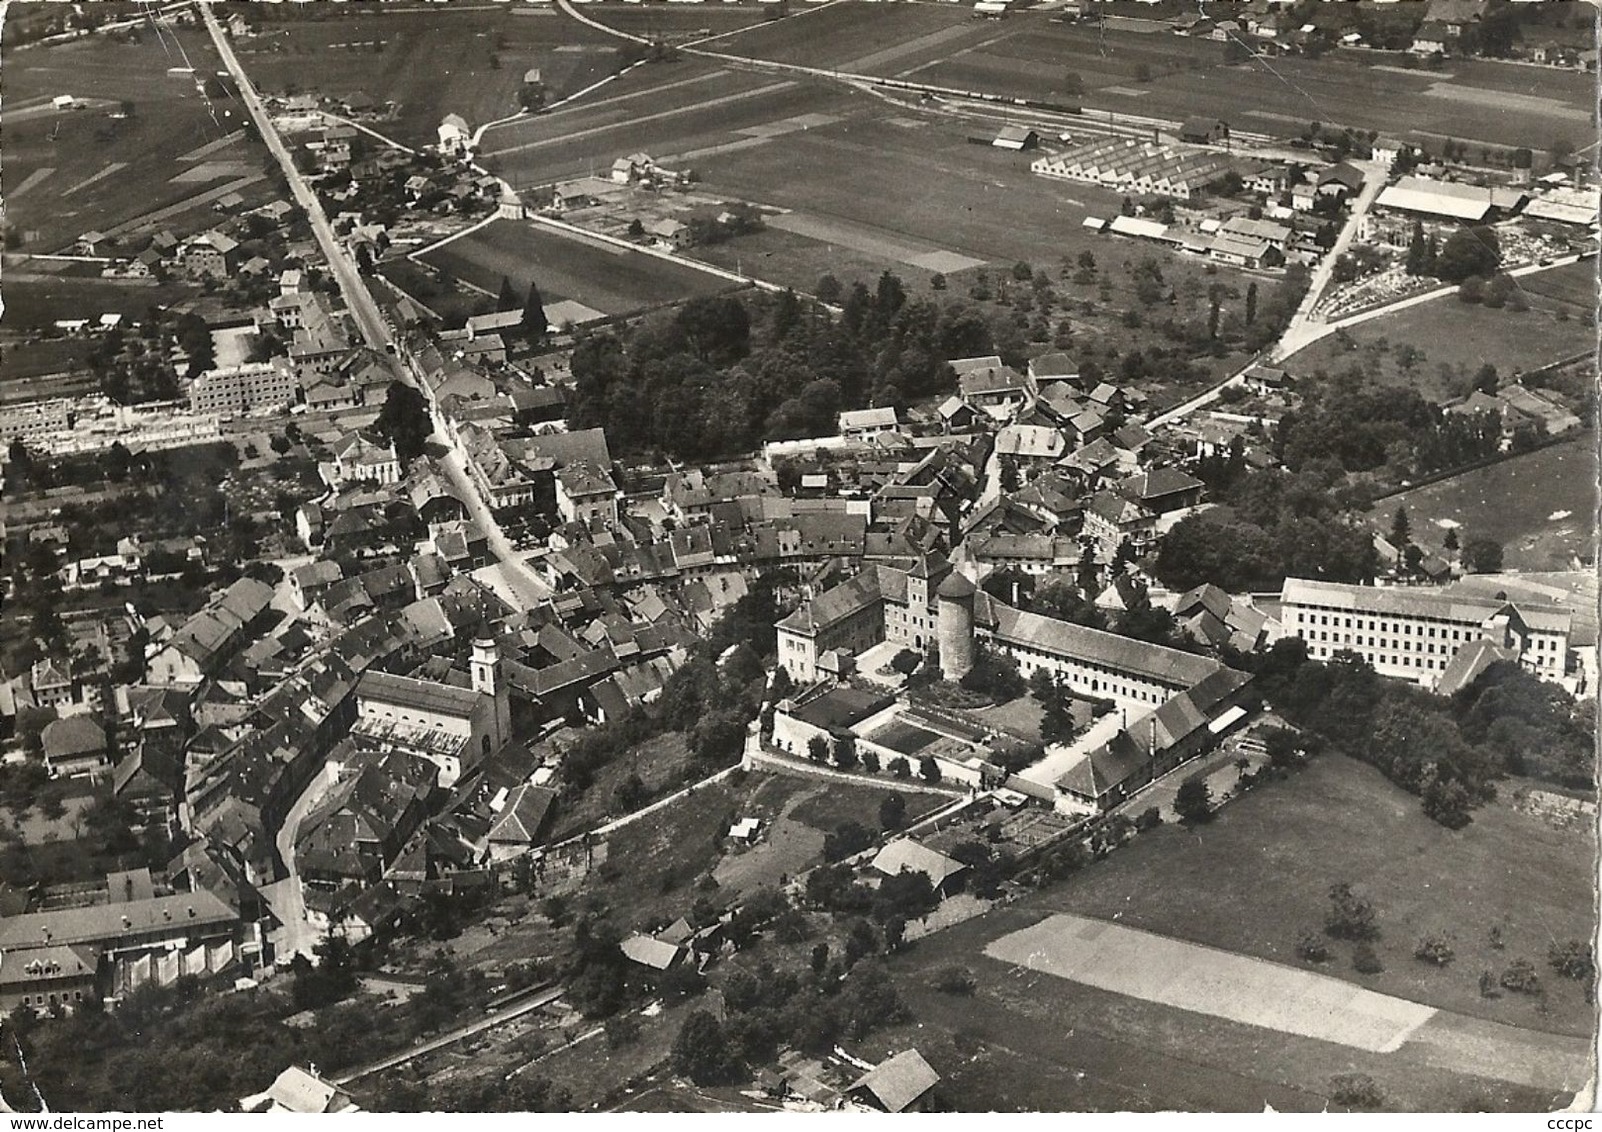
830,804
1253,882
608,279
652,865
1257,879
1539,506
1022,715
1447,332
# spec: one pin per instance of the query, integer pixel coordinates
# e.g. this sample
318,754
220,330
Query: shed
1017,138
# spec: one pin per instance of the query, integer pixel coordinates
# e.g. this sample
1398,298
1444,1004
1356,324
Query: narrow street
359,301
1303,328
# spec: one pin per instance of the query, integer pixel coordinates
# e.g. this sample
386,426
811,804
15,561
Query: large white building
932,603
454,727
1416,634
245,388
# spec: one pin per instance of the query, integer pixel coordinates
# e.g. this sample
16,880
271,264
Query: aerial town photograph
755,556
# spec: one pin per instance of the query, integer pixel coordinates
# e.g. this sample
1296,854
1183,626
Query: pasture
39,300
1539,506
1252,882
609,279
1450,333
1123,68
430,62
84,169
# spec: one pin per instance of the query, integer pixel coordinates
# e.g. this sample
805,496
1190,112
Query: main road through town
369,320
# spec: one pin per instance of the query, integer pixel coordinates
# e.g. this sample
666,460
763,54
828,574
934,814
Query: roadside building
247,388
1413,634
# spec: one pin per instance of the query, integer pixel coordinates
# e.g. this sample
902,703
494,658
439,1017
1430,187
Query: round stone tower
954,625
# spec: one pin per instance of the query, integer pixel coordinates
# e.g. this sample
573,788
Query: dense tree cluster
1269,526
1362,426
720,374
1449,751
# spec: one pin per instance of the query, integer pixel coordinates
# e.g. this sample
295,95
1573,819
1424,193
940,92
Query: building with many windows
931,603
881,604
1414,634
245,388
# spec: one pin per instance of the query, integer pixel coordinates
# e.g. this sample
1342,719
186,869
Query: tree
507,299
845,752
900,767
828,290
955,980
928,769
892,812
1251,303
1312,948
1472,251
1365,961
1450,541
1571,959
818,749
1482,556
1401,530
404,422
1350,916
1193,801
636,229
1520,977
1434,948
1072,84
701,1050
534,323
848,839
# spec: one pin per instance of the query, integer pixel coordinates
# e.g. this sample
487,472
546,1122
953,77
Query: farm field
610,280
72,171
39,300
1447,332
1028,55
842,34
973,200
1573,284
1539,506
680,112
430,62
1253,882
675,24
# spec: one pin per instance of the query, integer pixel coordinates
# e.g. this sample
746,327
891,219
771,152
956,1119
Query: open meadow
430,62
1539,506
1137,68
69,172
1450,333
1253,882
609,279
